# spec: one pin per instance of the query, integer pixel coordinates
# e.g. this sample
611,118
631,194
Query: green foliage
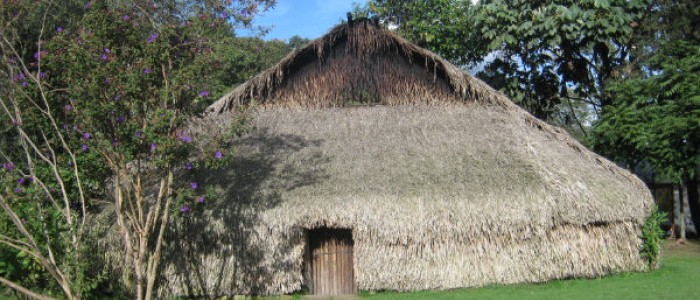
96,89
296,42
655,118
553,52
652,236
245,57
446,27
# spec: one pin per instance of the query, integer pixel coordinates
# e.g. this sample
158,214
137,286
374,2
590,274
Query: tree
44,200
296,42
107,96
245,57
655,109
553,54
446,27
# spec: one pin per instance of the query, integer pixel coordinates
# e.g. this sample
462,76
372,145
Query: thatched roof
448,184
359,63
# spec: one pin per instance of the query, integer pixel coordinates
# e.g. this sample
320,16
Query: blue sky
306,18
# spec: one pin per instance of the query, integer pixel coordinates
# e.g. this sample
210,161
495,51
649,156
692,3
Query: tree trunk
694,203
154,261
684,199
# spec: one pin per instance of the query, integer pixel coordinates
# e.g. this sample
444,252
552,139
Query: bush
652,234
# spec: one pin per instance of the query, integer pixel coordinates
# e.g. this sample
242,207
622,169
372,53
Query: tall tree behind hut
551,57
445,27
655,106
555,56
244,57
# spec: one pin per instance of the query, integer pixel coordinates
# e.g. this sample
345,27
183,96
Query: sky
306,18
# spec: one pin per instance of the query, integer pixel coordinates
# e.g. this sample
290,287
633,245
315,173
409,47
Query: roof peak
359,61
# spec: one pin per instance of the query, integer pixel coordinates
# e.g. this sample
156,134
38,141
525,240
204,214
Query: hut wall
443,197
262,267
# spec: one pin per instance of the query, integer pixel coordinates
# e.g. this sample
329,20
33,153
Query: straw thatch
359,63
462,189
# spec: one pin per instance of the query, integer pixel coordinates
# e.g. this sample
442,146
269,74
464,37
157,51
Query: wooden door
330,267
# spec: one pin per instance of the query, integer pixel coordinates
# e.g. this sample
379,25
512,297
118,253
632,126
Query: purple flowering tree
106,99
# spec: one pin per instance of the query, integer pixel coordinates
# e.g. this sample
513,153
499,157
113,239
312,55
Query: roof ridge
366,41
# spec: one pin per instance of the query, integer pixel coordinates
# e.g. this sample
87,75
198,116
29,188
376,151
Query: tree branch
24,290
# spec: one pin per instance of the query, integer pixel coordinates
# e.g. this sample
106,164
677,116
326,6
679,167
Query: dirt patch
675,247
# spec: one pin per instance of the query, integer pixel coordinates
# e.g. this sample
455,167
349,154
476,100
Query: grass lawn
677,278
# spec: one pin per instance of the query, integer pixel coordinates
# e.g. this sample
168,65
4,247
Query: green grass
677,278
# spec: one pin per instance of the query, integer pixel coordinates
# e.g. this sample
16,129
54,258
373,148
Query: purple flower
188,166
218,155
200,199
153,147
185,208
42,74
103,57
20,180
147,71
204,93
139,134
40,54
107,50
68,107
107,81
193,185
121,120
185,138
24,84
152,38
84,147
86,135
125,18
18,190
115,142
52,190
8,166
88,5
59,29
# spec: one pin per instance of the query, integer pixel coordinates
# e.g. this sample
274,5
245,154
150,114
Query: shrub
652,234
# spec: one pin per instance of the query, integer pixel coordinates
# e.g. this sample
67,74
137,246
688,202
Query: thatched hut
377,165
